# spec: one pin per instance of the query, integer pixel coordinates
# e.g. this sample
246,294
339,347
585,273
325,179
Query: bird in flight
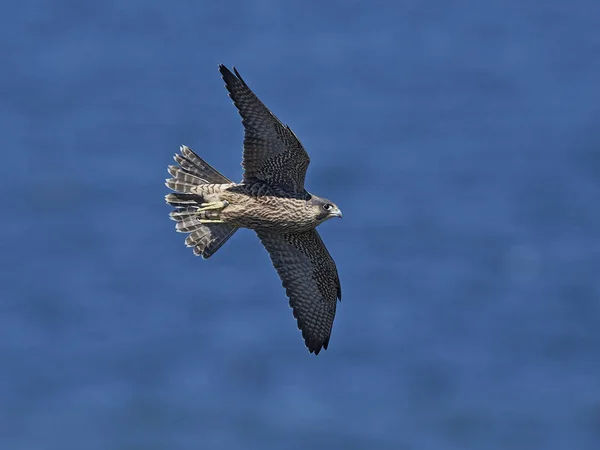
271,200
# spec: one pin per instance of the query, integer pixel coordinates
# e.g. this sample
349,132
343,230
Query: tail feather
193,164
198,237
182,213
180,186
209,238
182,175
193,171
188,225
183,200
188,219
187,165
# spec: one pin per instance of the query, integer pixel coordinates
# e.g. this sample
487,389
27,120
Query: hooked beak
337,212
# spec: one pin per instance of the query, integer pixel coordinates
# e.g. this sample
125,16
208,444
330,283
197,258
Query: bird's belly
267,216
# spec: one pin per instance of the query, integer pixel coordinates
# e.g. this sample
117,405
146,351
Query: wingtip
224,71
227,74
315,346
316,349
237,74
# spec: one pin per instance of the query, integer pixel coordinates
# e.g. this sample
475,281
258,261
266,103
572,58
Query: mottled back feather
272,152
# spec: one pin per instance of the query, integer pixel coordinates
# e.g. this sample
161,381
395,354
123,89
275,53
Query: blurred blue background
460,139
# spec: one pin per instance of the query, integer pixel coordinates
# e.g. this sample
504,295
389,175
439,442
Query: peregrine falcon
272,201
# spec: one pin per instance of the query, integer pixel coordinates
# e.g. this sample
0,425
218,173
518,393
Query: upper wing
310,279
272,152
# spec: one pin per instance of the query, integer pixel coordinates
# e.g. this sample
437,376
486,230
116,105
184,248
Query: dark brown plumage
271,200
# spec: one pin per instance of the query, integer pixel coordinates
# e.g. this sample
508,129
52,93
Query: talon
213,205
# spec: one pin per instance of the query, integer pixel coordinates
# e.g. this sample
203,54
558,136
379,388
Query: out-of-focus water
460,139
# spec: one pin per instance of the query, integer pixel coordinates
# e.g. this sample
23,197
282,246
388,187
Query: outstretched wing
310,279
272,152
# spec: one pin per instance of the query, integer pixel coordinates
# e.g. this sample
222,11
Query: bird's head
324,209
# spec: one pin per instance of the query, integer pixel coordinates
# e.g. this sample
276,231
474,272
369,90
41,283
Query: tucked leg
210,221
205,211
213,205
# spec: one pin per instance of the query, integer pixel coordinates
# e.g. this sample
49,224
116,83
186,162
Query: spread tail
204,238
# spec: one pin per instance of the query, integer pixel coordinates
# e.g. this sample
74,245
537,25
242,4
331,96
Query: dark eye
326,206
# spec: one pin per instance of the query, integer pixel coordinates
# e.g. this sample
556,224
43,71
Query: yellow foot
210,221
213,205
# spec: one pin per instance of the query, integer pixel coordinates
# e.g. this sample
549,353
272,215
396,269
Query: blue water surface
461,141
